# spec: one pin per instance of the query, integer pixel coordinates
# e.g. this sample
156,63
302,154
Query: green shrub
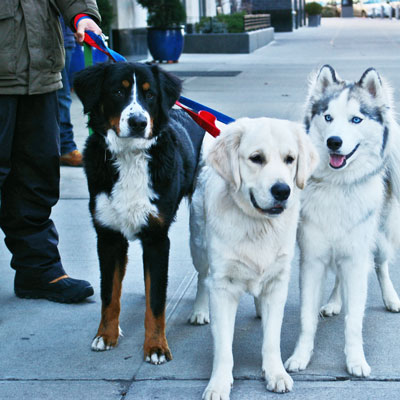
313,8
328,12
210,25
223,23
164,13
234,22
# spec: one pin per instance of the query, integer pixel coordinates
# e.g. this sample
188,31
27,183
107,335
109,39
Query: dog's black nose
280,191
137,122
334,143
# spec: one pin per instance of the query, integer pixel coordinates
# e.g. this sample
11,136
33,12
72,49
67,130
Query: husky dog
350,208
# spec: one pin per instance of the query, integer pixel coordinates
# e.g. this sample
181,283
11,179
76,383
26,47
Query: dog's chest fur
340,211
129,205
254,255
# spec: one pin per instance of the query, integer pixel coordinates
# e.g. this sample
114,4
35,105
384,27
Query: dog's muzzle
137,125
279,205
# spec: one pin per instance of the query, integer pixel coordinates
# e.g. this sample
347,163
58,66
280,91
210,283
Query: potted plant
313,11
165,30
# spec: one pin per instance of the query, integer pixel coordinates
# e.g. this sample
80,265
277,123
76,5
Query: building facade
128,34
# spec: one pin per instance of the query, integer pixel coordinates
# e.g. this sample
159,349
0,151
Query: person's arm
84,24
71,8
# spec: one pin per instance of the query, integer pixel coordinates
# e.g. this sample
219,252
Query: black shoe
67,290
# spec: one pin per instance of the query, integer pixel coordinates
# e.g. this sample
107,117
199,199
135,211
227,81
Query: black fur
172,164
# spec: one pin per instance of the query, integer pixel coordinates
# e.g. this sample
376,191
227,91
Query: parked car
359,8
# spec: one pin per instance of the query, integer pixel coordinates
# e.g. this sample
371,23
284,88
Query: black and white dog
140,162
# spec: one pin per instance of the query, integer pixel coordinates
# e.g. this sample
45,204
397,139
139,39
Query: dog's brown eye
256,159
118,93
149,95
289,160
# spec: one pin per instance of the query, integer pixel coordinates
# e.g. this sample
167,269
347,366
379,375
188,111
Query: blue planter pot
165,44
78,60
314,20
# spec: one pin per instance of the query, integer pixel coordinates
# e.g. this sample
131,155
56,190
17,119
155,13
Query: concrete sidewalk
45,351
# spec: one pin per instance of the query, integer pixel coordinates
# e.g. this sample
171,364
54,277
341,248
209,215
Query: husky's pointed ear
170,88
325,78
88,84
224,154
308,157
371,81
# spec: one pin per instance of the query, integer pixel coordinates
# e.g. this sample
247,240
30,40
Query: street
45,351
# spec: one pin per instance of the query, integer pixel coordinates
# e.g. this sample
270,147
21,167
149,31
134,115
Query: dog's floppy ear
371,82
224,155
307,159
88,84
170,88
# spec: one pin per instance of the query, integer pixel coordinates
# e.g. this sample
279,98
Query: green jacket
31,43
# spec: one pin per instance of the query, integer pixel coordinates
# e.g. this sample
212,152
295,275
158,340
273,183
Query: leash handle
97,41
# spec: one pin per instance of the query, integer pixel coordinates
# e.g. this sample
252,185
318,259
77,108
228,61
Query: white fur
129,205
98,343
242,249
348,218
134,108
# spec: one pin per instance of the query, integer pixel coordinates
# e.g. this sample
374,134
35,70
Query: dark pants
67,143
29,183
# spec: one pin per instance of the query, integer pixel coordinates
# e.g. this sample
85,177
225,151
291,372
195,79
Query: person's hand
86,24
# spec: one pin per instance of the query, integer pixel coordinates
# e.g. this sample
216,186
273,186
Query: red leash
205,119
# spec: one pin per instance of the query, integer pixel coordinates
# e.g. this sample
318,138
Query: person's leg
67,143
28,193
70,155
8,110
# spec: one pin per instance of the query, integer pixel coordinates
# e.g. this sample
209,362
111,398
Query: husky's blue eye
328,118
356,120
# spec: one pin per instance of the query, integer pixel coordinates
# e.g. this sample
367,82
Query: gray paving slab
254,390
65,390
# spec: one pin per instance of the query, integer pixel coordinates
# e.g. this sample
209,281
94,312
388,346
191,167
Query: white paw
199,318
99,344
217,390
393,305
156,359
279,383
358,368
297,363
330,309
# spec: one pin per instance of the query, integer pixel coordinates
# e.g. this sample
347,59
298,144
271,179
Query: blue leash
201,107
97,41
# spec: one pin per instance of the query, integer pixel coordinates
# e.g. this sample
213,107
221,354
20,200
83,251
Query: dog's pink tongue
337,160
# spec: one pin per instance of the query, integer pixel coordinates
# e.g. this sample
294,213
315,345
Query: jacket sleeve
70,8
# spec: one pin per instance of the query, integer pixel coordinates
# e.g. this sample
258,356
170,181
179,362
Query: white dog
350,209
244,215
